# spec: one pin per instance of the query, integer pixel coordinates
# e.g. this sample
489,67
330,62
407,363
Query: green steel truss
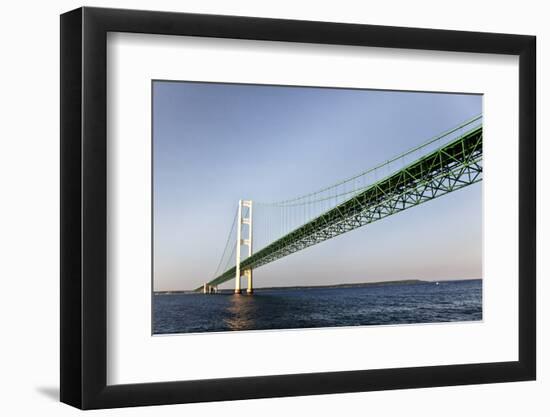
449,168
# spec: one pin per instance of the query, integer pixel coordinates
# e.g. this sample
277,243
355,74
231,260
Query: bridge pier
248,275
209,289
238,282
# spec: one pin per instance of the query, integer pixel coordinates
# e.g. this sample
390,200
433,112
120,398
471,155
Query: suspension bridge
445,163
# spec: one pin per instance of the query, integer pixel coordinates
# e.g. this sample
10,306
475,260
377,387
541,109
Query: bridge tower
247,241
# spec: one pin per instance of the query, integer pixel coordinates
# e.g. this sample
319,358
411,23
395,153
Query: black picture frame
84,209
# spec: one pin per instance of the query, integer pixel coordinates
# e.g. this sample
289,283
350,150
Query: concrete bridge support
238,282
209,289
248,275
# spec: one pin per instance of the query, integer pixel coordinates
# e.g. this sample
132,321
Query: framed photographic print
258,207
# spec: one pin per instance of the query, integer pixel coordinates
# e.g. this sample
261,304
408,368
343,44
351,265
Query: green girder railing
451,167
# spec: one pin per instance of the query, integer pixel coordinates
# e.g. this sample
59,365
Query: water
319,307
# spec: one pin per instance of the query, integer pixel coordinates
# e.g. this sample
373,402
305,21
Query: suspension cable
227,243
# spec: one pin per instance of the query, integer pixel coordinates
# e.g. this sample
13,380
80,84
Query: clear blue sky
217,143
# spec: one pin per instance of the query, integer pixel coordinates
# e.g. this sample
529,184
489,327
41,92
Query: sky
214,144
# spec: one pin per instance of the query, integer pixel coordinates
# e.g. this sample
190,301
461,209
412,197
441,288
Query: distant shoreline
313,287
